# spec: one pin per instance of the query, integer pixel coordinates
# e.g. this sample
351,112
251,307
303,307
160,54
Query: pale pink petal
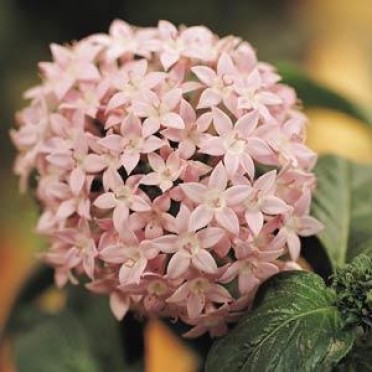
247,123
88,265
218,178
221,122
150,179
182,219
219,294
172,98
194,191
266,183
151,144
187,149
156,162
232,162
187,112
205,262
228,220
294,245
265,270
150,126
178,265
139,204
273,205
105,201
172,120
195,305
112,142
213,146
117,100
231,272
119,305
225,65
248,165
66,209
167,243
259,149
132,274
168,59
201,216
130,160
120,217
237,194
205,74
131,126
255,220
114,254
309,226
142,109
77,180
268,98
247,282
210,236
94,163
209,98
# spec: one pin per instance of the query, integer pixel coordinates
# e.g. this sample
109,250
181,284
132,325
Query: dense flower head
171,170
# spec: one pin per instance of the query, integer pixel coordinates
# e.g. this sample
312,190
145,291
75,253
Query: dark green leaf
294,326
362,354
101,328
314,94
54,344
343,202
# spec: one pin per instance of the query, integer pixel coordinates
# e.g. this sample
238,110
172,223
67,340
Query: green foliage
314,94
294,326
343,202
84,337
54,344
353,286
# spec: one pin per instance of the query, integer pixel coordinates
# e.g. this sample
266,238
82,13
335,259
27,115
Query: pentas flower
170,167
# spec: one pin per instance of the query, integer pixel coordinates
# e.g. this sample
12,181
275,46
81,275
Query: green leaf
314,94
362,354
54,343
294,326
343,202
101,328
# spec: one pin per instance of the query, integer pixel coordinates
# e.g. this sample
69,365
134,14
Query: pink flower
261,201
144,144
77,247
253,95
122,198
71,65
253,266
215,201
195,294
165,172
299,224
131,143
190,137
238,143
159,111
132,254
132,81
219,83
155,221
189,247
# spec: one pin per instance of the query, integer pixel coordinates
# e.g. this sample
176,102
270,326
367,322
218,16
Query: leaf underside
343,202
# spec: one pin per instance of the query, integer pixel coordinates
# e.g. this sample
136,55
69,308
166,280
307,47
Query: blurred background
329,39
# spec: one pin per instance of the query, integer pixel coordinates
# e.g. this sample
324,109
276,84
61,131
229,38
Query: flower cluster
171,171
